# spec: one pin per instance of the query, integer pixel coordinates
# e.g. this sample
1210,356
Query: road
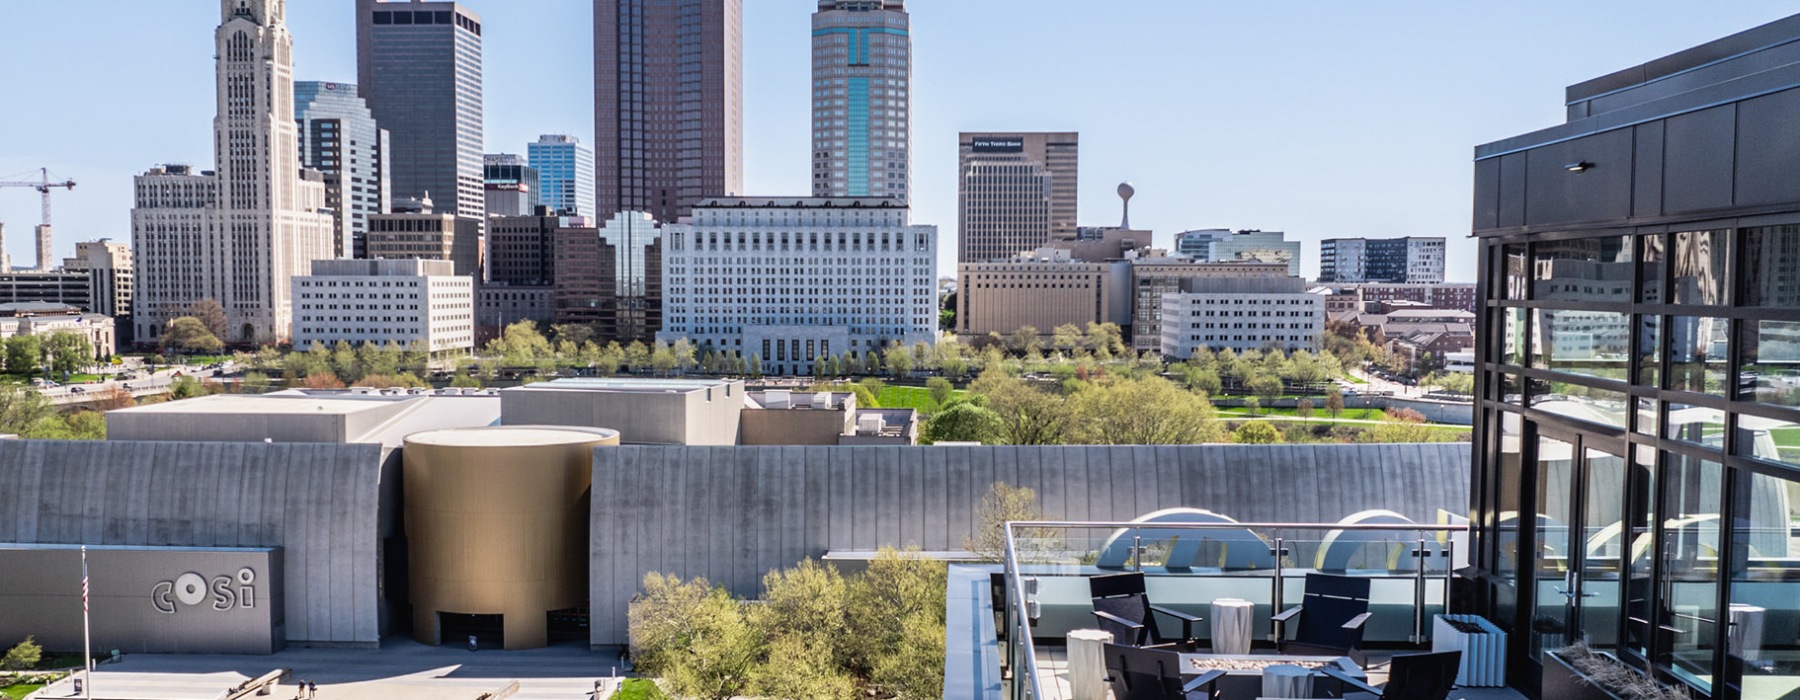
157,383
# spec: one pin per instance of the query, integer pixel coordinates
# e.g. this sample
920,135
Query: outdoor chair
1137,673
1410,677
1332,613
1123,608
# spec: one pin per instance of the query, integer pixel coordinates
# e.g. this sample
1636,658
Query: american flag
84,583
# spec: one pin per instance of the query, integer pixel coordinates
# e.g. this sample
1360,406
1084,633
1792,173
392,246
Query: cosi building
1638,443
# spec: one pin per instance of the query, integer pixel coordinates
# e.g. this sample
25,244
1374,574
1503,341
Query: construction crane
43,186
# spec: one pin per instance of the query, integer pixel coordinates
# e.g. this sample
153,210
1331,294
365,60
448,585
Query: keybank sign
191,590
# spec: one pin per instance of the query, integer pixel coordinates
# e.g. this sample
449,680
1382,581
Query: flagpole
87,641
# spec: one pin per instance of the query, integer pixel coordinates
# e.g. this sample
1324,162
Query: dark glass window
1697,354
384,18
1691,493
1511,336
1642,518
1583,269
1649,357
1770,362
403,18
1591,343
1700,258
1518,271
1771,269
422,17
1651,258
1765,586
441,18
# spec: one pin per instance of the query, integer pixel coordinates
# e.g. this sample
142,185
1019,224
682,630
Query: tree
70,352
189,387
1404,426
1146,411
1028,415
683,351
211,315
940,389
322,380
1024,340
1253,404
1066,337
898,360
188,335
964,421
255,383
1334,403
463,381
577,333
1304,409
24,656
1266,386
802,617
1107,337
693,635
113,399
801,667
1205,381
21,408
865,398
1003,503
1256,432
662,358
895,616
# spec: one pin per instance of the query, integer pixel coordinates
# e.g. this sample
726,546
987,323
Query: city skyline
1249,181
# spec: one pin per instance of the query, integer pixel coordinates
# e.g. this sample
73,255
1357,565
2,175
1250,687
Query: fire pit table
1243,672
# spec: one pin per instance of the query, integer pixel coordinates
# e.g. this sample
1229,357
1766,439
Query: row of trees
812,634
60,352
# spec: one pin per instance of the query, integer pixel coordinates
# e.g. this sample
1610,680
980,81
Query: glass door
1603,548
1581,544
1553,560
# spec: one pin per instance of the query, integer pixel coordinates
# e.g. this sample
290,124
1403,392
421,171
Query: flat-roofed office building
1015,192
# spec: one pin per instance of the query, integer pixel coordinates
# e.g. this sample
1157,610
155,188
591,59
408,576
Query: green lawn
18,691
1318,413
1355,379
908,397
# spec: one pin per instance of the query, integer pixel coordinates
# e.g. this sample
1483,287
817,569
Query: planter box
1563,682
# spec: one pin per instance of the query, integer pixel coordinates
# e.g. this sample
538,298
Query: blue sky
1321,118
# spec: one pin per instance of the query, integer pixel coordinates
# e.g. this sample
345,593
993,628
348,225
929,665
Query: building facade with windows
1240,314
1014,192
862,99
1384,260
1043,289
339,137
1638,376
385,302
427,236
419,68
668,104
611,277
1154,277
509,184
790,280
565,171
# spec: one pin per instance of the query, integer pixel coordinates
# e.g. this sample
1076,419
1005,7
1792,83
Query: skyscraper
611,278
861,99
1015,192
239,235
511,185
565,174
1390,260
339,137
419,67
668,104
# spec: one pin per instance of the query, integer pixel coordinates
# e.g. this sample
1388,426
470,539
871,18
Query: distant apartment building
424,235
1015,192
1197,244
1239,314
1377,298
1042,289
108,266
611,277
861,99
1255,246
565,174
498,306
65,287
1384,260
419,68
1154,277
521,250
668,104
510,186
790,280
385,302
339,137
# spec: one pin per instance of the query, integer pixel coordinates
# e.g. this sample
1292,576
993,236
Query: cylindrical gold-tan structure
496,524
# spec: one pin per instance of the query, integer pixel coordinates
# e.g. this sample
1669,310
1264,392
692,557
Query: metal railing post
1423,555
1449,569
1137,551
1275,595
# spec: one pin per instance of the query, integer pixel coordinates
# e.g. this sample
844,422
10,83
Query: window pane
1512,336
1651,259
1584,269
1509,492
1697,354
1649,362
1518,271
1646,416
1583,403
1602,539
1700,267
1765,589
1642,517
1590,343
1769,439
1555,491
1690,556
1696,424
1770,371
1771,268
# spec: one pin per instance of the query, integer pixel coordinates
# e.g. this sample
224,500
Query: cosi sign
193,590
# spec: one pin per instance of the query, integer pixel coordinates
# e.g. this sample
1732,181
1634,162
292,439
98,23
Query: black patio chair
1332,613
1123,608
1138,673
1410,677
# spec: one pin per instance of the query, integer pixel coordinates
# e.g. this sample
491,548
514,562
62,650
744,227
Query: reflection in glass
1771,270
1642,517
1695,424
1700,267
1697,354
1765,588
1582,269
1770,364
1769,439
1518,271
1690,559
1512,336
1589,343
1550,565
1602,526
1508,492
1646,416
1650,268
1583,403
1649,362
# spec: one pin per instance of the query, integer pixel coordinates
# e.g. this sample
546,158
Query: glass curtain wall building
565,174
1638,427
861,99
339,137
419,68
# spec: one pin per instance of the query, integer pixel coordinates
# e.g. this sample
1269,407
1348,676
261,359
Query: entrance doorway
454,629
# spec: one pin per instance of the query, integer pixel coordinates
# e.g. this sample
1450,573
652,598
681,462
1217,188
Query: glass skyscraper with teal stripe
862,101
